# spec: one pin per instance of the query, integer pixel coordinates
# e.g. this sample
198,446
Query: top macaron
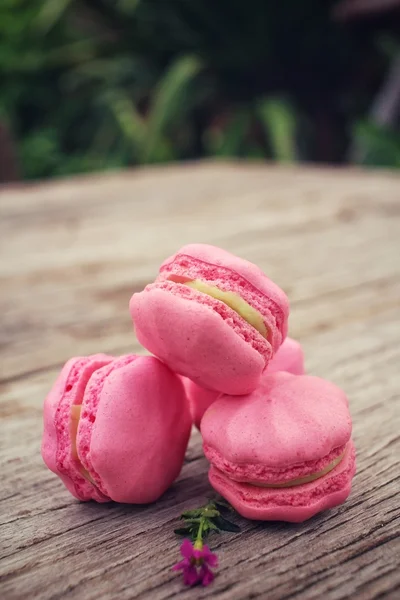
212,317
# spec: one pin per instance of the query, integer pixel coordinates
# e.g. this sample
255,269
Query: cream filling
234,301
301,480
76,410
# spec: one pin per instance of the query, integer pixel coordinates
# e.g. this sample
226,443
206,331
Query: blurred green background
96,84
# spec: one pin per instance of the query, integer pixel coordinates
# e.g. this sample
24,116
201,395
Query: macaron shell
295,504
90,403
141,431
253,274
195,342
200,399
289,358
56,442
288,419
50,436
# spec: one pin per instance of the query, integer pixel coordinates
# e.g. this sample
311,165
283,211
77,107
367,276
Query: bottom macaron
283,452
116,428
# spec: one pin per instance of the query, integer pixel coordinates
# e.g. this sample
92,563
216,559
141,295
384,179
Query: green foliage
95,84
230,139
279,122
206,520
381,146
170,99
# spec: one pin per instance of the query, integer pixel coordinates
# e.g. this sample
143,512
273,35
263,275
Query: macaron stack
279,442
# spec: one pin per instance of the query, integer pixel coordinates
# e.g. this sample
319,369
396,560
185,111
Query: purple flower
196,563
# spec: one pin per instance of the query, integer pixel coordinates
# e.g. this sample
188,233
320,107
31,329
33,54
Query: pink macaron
289,357
116,428
212,317
283,452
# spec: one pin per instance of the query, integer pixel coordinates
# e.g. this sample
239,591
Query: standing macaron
283,452
116,428
289,357
212,317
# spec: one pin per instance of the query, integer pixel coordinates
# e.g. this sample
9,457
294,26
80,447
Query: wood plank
72,254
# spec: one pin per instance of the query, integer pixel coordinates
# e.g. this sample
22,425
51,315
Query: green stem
199,538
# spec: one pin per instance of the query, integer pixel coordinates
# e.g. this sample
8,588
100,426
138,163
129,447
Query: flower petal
206,576
183,564
187,549
190,576
209,557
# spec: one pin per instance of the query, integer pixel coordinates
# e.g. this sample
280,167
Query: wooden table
72,254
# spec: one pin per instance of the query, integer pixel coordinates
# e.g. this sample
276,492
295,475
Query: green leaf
130,122
210,526
50,13
279,122
128,7
39,153
228,141
170,101
193,520
225,525
376,145
209,512
223,506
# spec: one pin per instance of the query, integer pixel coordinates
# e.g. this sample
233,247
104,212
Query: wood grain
73,252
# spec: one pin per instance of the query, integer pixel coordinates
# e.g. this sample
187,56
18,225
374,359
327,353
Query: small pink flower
196,563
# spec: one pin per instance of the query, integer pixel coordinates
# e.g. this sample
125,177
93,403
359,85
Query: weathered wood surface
72,252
